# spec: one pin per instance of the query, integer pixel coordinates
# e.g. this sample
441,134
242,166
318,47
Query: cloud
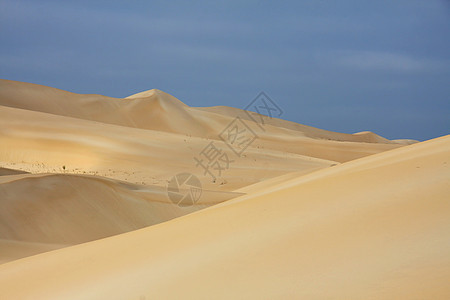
385,61
76,18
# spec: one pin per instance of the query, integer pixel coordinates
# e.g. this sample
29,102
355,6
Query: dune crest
152,109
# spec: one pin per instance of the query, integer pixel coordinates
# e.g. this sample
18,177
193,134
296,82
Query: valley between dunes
302,212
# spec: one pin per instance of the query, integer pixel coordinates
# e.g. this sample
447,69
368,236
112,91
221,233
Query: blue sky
345,66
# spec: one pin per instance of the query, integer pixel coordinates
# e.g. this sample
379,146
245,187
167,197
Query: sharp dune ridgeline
303,213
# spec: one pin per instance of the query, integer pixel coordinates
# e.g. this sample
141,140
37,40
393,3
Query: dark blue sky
345,66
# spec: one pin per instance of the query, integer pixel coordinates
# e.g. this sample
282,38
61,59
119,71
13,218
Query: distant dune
302,213
152,109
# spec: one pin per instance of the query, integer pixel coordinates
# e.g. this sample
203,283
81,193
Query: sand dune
52,209
152,109
156,110
159,111
373,228
97,135
308,131
47,143
301,213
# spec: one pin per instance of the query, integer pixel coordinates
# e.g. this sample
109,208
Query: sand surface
302,213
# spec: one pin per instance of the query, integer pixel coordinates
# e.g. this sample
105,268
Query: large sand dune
69,209
45,210
47,143
374,228
151,109
302,213
159,111
103,136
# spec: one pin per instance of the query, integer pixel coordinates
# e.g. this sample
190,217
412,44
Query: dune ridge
301,213
152,109
367,235
47,143
88,133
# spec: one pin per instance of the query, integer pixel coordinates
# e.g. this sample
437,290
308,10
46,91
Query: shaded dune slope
156,110
56,209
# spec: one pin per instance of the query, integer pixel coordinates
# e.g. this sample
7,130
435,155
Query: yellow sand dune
373,228
157,110
128,139
308,131
160,111
56,144
55,209
152,109
301,213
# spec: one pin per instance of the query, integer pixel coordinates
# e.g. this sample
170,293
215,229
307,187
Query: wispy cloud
386,61
314,54
78,17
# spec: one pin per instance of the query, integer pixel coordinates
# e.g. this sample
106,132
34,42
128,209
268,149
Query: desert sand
303,212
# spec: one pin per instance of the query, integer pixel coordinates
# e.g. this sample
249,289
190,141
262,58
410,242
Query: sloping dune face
373,228
301,213
155,110
56,144
68,209
160,111
149,137
52,210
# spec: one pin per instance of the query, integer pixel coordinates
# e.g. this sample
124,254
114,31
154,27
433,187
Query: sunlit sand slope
162,112
47,143
373,228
